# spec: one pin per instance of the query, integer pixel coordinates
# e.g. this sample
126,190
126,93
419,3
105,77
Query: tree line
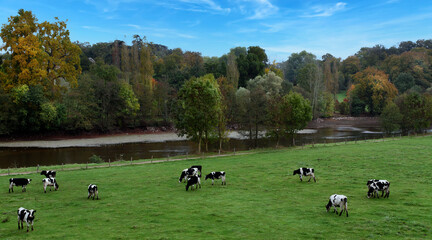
50,84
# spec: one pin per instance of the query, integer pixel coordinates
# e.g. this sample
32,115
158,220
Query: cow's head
370,182
210,175
371,191
31,215
329,204
296,172
182,176
56,186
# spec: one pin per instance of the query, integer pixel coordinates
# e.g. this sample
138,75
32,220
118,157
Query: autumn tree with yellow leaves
40,54
372,87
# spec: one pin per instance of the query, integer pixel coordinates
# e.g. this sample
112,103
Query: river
146,149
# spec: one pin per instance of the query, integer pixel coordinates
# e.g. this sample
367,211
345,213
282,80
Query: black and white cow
92,191
187,173
378,185
305,172
216,175
27,216
199,167
338,201
49,174
19,182
51,182
193,181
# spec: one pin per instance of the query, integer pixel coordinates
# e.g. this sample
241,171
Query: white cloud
196,6
262,9
326,11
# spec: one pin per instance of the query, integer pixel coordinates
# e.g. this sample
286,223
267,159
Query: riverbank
153,135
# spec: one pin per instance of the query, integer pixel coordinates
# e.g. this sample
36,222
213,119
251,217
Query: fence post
219,151
131,161
109,162
37,170
62,166
8,171
87,165
234,151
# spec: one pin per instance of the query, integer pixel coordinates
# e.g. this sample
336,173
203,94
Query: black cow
305,172
187,173
378,185
19,182
193,180
27,216
51,182
92,191
216,175
199,167
49,174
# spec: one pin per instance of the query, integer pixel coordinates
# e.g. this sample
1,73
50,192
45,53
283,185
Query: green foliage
95,159
404,81
328,105
416,111
198,106
390,118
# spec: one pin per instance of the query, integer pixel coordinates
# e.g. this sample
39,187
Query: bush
95,159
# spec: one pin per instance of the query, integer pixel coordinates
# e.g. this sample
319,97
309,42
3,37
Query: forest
49,84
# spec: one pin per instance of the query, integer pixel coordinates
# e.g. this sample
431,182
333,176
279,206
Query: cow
199,167
92,191
27,216
50,182
49,174
193,181
305,172
187,173
19,182
378,185
216,175
338,201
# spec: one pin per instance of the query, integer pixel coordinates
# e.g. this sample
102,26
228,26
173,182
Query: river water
27,157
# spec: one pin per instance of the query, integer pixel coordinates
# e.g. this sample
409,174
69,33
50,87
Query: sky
212,27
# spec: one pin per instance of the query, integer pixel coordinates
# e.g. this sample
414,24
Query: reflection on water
25,157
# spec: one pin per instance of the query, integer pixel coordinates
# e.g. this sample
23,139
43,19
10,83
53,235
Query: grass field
262,200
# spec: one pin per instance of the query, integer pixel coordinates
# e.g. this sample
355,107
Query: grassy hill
262,200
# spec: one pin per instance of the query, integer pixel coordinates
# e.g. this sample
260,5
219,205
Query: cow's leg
341,210
309,178
212,181
301,179
97,195
18,223
11,187
88,196
32,225
313,175
346,210
27,226
377,193
382,193
223,180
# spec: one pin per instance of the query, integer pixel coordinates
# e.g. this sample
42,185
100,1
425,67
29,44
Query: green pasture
262,200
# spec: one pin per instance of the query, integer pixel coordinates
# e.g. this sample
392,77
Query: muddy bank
344,121
153,135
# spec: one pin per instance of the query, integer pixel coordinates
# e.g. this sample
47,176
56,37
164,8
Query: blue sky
213,27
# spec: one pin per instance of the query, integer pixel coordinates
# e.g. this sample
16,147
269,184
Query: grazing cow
378,185
305,172
27,216
216,175
50,182
18,182
92,191
48,174
187,173
193,181
199,167
338,201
